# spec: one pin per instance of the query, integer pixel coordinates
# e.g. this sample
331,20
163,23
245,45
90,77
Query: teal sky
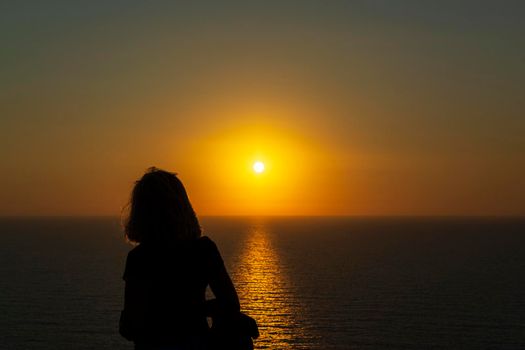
415,107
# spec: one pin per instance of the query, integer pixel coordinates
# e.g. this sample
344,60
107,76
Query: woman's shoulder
205,239
134,262
136,250
206,242
135,256
210,250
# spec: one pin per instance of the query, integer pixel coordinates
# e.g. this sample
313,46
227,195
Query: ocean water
311,283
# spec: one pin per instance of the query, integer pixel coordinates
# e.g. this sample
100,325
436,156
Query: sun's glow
258,167
288,162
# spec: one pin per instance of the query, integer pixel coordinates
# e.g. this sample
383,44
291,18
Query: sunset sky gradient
355,107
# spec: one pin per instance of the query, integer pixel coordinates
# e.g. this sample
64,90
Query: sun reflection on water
265,291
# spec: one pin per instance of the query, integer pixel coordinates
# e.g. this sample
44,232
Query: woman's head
159,210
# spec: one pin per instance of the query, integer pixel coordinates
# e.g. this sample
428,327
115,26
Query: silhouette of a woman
167,272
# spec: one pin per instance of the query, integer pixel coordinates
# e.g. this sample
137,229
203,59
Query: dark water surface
311,283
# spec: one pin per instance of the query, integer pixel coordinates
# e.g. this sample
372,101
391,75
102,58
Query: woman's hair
159,210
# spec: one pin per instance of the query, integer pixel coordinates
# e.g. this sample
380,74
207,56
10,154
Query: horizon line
38,216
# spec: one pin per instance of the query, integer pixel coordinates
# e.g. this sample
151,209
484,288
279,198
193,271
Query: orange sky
364,109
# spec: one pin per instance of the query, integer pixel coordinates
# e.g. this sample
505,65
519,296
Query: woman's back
165,289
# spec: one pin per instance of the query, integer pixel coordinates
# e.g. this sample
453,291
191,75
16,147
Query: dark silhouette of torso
165,290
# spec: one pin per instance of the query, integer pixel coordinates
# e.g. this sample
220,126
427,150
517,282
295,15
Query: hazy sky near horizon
356,107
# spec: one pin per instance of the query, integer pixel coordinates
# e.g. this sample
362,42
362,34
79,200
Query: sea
309,282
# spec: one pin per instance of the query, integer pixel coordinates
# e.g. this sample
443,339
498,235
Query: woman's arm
226,300
133,315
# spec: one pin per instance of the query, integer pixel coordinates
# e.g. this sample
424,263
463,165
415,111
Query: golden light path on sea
266,293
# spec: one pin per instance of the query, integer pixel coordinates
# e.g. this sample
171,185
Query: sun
258,167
